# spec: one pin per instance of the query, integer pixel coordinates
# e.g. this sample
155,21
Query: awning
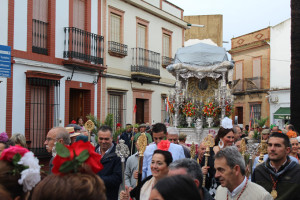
283,113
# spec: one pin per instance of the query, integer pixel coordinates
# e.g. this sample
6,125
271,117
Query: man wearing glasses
56,134
111,173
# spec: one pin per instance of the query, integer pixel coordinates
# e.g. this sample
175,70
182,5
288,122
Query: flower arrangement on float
228,109
210,109
189,109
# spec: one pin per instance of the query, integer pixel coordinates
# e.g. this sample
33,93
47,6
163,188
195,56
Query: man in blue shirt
159,132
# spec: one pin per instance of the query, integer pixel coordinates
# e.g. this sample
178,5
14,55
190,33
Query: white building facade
280,61
69,60
142,38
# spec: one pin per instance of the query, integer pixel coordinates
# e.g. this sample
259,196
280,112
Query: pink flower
9,153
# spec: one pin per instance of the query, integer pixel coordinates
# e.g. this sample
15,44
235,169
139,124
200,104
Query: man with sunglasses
56,134
159,133
111,173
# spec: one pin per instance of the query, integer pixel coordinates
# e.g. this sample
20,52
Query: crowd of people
80,169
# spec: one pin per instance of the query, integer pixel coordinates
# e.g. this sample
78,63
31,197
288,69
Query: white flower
227,123
31,176
29,160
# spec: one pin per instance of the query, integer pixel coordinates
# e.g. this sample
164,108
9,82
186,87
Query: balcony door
78,36
141,44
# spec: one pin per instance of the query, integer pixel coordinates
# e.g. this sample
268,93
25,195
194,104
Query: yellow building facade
251,53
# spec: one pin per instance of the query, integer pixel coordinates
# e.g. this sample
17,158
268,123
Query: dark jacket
211,169
111,173
288,177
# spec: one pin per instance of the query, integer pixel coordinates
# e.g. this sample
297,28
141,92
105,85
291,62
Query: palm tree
295,64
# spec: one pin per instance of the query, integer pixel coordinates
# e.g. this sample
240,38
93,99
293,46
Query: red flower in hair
84,152
9,153
163,145
118,125
73,122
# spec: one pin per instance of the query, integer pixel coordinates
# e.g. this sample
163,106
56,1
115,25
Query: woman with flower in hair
75,169
19,172
225,136
161,160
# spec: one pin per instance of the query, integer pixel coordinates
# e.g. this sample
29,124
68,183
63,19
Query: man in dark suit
111,173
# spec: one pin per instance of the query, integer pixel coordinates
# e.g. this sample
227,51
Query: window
239,75
255,111
42,111
115,35
40,27
166,45
117,107
164,112
141,40
257,72
115,26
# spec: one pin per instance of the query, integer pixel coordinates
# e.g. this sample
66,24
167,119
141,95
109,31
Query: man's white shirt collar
237,189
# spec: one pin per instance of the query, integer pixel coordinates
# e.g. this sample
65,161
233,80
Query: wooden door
139,117
76,108
240,115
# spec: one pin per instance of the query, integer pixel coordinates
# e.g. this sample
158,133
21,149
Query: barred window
164,112
256,113
117,107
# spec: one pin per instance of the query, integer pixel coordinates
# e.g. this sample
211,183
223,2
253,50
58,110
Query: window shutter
166,45
115,28
141,36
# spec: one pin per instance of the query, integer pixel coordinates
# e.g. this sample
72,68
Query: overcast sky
239,16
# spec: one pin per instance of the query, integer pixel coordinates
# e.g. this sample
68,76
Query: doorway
239,113
140,111
79,104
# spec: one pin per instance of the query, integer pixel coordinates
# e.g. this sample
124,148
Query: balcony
166,61
145,65
253,84
39,37
83,49
117,49
238,86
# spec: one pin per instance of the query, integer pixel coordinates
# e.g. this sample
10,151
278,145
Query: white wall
19,88
155,3
280,46
3,92
20,25
171,9
154,36
3,22
61,21
283,101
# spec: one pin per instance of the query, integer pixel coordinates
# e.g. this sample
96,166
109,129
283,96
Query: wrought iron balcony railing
145,61
254,83
39,37
166,61
83,45
117,49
